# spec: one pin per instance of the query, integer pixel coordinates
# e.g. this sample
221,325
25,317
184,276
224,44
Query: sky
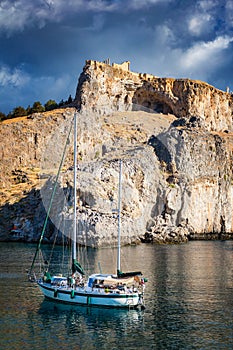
44,43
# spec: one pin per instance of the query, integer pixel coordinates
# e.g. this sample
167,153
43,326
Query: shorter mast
74,239
119,272
119,222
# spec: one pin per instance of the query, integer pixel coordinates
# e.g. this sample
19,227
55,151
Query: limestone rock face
27,159
174,138
103,88
193,188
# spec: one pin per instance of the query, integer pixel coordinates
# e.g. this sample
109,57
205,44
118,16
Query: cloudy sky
44,43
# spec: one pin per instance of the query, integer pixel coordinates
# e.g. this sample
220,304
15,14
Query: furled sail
76,267
128,274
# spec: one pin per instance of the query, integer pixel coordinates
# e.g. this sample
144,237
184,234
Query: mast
74,239
75,264
119,221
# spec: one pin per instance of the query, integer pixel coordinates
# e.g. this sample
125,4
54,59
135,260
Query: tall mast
119,221
75,190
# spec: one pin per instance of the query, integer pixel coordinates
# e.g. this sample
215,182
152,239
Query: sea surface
188,298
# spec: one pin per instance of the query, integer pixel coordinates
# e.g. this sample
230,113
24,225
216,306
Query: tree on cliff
67,102
61,103
28,109
70,100
50,105
2,116
37,107
18,112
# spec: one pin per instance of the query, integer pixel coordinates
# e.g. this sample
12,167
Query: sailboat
117,290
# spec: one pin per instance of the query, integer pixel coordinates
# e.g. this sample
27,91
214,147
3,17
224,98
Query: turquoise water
189,302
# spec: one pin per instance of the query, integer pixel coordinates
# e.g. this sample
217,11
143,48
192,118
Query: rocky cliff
174,137
103,88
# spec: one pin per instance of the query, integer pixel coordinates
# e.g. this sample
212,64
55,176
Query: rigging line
63,248
51,253
61,221
41,260
65,243
86,229
67,262
51,201
82,232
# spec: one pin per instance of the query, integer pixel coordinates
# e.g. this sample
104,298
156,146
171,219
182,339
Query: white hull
96,297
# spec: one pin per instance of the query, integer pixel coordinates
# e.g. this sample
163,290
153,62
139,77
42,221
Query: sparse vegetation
37,107
2,116
50,105
18,112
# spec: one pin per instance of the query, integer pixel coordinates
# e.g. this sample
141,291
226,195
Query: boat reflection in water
88,324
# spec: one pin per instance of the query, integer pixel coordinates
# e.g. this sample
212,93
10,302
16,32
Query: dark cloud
44,43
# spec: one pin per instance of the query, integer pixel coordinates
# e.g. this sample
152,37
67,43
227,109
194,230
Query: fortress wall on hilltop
104,88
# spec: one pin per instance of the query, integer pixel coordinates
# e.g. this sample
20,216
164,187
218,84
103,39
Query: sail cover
128,274
76,267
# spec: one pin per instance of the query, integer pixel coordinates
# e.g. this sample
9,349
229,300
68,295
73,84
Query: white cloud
164,35
200,61
207,5
199,23
18,14
15,16
205,52
15,77
21,13
229,12
138,4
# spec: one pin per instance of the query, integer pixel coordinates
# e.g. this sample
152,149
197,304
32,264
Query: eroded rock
174,137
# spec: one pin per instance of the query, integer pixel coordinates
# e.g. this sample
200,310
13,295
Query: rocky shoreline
171,236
